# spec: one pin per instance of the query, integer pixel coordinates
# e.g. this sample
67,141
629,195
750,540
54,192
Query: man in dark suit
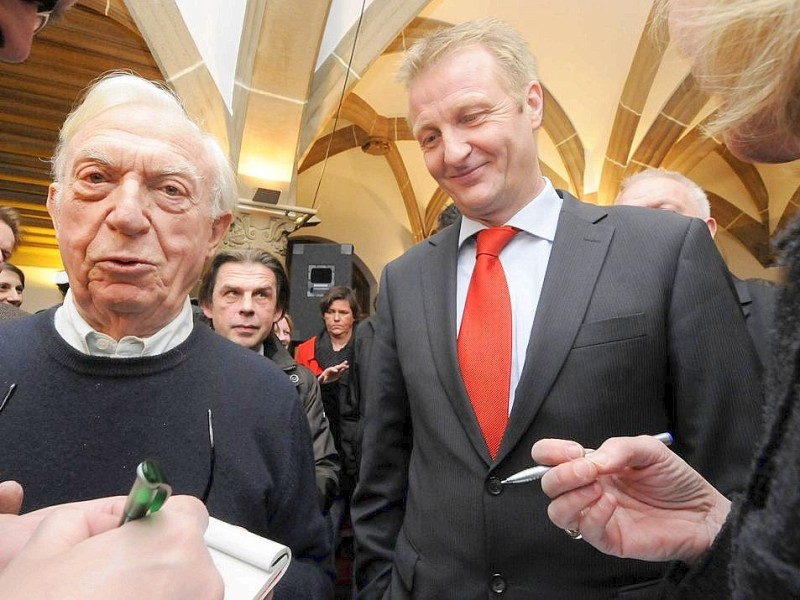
623,321
669,190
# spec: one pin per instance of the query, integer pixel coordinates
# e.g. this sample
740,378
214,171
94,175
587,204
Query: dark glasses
44,8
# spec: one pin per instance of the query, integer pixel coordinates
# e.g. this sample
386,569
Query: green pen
149,492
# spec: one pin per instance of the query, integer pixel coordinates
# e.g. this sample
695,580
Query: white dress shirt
71,326
524,261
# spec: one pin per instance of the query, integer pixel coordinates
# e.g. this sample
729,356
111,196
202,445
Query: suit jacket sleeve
717,397
378,503
326,459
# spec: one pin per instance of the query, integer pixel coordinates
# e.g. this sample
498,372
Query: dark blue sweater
77,426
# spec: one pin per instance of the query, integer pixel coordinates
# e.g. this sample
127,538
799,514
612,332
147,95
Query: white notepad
250,565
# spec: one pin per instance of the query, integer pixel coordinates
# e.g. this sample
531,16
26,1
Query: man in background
243,294
668,190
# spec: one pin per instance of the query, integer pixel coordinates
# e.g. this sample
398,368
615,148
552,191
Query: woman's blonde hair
748,53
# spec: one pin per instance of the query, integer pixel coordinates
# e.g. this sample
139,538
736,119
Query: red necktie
484,340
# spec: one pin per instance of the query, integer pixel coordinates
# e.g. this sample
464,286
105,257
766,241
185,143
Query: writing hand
632,498
162,556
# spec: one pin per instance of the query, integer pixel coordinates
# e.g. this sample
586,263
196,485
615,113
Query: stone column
265,227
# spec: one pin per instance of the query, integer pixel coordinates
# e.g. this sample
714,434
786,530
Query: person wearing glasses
20,20
140,199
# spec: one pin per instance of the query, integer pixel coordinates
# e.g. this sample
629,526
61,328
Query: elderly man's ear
219,229
52,205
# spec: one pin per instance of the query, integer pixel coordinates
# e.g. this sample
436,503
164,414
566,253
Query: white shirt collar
71,326
539,217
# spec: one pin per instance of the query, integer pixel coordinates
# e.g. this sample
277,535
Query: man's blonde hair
517,64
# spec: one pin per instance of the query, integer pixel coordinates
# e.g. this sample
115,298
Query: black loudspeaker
313,270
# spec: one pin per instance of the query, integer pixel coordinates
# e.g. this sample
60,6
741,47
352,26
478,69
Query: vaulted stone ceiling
617,100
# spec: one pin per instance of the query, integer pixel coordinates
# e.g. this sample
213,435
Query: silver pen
537,472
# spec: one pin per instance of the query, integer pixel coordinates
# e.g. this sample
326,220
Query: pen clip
151,471
149,492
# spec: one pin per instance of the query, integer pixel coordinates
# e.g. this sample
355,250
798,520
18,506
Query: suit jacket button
493,486
498,583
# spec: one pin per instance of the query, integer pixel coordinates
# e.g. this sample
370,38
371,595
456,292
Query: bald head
667,190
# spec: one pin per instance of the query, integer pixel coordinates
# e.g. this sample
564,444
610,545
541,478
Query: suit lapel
579,250
438,278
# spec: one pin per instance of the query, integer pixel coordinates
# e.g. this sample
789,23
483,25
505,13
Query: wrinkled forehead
149,135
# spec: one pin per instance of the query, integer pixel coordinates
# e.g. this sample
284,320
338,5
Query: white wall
40,289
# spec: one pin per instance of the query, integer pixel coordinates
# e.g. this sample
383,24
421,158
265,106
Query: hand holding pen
149,492
632,497
60,548
537,472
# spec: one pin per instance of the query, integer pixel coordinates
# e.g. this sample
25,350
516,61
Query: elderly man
564,319
20,20
668,190
140,199
244,293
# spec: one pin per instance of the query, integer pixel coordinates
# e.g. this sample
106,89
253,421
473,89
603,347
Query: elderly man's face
19,20
477,142
133,218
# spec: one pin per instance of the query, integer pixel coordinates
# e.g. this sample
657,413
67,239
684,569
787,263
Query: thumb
10,497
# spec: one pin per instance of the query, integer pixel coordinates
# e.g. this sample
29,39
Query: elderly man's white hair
121,88
696,193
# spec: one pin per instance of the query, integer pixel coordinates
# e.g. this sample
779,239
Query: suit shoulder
445,240
658,228
627,218
649,217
